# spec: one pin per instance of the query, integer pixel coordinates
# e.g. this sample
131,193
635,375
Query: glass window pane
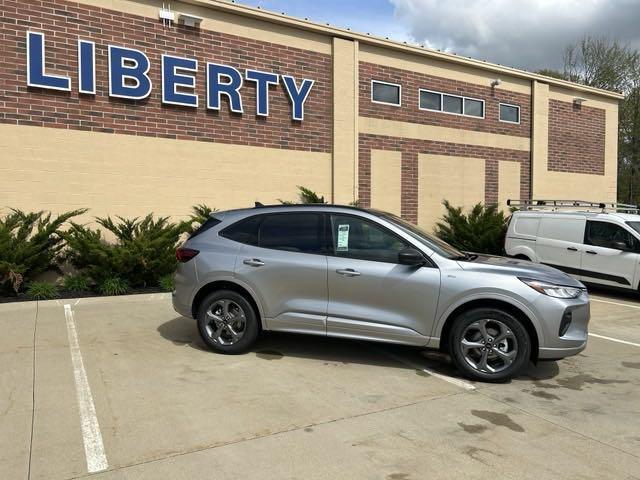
361,239
451,104
244,231
475,108
383,92
293,232
604,234
432,101
509,114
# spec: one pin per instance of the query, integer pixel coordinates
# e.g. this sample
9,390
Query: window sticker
343,238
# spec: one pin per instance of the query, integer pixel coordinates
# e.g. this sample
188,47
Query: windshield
635,226
441,247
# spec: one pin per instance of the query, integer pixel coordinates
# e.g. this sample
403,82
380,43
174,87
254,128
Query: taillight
185,254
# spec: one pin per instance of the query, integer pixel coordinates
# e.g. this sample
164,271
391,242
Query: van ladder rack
604,207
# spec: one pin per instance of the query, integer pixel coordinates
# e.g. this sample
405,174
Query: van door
610,255
559,242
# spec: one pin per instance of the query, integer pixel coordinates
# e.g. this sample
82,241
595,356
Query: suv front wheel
489,344
227,322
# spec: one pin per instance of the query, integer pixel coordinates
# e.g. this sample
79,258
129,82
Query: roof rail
577,205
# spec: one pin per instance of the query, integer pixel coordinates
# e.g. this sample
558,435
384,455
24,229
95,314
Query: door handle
572,249
591,252
253,262
348,272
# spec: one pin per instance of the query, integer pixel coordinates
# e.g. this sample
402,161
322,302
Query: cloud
529,34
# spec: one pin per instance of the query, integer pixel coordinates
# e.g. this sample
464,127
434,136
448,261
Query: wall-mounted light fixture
189,20
495,83
579,100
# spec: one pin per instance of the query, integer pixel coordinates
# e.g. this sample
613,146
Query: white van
594,247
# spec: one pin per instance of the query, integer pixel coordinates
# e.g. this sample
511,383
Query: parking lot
123,388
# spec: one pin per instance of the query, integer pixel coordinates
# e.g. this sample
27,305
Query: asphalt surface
124,388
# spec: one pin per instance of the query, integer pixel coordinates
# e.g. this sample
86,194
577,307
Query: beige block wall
508,183
460,180
386,180
572,186
345,121
59,170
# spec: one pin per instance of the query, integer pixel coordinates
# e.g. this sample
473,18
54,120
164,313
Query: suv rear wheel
227,322
489,344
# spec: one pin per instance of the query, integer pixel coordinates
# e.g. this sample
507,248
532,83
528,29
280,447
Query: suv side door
283,260
611,254
372,296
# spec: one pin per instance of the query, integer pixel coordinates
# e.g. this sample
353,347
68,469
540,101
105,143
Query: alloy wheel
226,322
489,346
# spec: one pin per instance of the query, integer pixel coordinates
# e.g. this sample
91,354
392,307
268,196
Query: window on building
389,93
509,113
455,104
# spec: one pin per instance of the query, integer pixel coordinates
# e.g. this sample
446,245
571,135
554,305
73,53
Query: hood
518,268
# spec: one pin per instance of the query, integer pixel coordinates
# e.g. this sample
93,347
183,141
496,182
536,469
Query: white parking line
454,381
614,339
91,436
637,307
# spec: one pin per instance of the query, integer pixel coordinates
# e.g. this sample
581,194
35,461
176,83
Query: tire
227,322
495,357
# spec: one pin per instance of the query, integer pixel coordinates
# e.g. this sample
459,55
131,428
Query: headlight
552,290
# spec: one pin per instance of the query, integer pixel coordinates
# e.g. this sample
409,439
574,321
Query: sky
529,34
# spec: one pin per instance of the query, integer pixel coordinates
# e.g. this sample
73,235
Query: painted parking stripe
617,340
91,436
637,307
455,381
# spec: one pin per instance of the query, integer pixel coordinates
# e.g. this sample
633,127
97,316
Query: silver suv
369,275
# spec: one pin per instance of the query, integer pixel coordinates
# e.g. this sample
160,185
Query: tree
549,72
605,63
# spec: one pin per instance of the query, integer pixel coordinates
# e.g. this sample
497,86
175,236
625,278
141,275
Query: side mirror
411,257
618,245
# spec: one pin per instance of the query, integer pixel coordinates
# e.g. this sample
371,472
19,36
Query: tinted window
451,104
209,223
474,108
604,234
293,232
635,226
244,231
430,100
355,237
385,93
509,113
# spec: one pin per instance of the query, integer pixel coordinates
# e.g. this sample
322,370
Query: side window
358,238
244,231
605,234
292,232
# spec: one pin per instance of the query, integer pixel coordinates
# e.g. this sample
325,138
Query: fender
437,331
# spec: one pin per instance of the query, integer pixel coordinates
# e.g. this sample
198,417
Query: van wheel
489,344
227,322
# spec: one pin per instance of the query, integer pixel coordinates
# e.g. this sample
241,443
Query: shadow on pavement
613,293
275,345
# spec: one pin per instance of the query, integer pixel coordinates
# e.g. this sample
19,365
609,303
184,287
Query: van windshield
441,247
635,226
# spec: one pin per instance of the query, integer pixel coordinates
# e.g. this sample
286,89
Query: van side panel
560,242
521,236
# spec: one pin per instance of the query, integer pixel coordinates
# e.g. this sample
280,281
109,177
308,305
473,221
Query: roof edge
230,6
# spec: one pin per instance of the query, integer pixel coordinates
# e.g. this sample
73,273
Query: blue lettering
230,88
36,77
171,79
128,73
262,80
297,95
87,67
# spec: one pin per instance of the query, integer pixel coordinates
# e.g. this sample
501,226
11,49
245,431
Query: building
127,108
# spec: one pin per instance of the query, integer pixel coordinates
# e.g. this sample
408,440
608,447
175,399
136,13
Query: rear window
244,231
208,224
562,228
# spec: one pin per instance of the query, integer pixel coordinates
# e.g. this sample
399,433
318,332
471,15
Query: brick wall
409,112
412,148
576,138
64,22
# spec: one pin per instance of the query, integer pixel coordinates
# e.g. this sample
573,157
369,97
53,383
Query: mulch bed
66,295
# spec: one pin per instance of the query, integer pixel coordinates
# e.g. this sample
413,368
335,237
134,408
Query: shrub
143,252
305,195
482,230
199,214
113,286
42,291
29,245
76,283
166,283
